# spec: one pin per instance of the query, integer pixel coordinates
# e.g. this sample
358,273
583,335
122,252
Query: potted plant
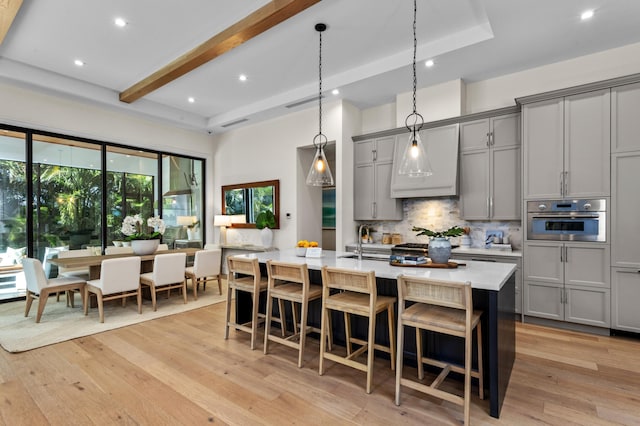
265,221
439,244
193,231
144,240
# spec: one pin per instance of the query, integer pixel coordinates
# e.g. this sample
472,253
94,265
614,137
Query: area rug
60,323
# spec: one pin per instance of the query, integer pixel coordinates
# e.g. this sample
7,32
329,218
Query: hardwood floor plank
180,370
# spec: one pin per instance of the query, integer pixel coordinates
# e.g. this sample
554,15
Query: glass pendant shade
414,158
320,173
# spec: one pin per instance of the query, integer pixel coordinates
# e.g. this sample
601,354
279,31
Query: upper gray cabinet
372,180
567,146
441,145
625,111
490,168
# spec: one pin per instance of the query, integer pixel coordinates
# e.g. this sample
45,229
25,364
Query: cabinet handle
561,259
375,209
485,260
493,142
562,184
488,138
566,254
488,208
374,155
566,183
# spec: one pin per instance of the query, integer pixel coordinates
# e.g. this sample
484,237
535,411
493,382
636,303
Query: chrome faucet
359,240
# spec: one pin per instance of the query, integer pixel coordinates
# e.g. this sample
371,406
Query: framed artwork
329,208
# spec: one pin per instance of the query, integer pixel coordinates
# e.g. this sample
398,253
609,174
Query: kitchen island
493,292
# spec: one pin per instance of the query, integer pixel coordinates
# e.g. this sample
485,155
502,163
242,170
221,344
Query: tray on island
448,265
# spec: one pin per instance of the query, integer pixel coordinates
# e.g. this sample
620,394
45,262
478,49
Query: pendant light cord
414,127
320,86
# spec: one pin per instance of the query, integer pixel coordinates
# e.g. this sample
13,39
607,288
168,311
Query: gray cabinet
490,168
372,180
625,295
625,126
625,208
441,145
568,282
567,146
503,259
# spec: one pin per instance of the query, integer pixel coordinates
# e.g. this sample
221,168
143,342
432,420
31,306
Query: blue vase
440,249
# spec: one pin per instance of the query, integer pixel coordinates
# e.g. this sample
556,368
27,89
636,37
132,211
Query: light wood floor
180,370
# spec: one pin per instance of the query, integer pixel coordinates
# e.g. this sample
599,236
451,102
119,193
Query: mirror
250,199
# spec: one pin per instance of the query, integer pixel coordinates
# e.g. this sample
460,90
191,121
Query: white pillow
16,255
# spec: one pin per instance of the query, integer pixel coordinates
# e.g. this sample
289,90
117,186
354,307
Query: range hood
176,192
180,169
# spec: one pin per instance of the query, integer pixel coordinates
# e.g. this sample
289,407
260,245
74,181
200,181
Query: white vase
143,247
266,235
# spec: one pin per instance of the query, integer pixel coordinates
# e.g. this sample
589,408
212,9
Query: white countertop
482,275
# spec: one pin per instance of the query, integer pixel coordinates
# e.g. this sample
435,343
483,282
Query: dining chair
290,282
79,272
119,279
440,307
354,292
206,267
244,275
39,287
167,274
118,250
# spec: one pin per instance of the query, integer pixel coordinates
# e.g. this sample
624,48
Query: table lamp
222,221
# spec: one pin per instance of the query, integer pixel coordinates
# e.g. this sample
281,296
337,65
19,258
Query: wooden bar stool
442,307
290,281
357,294
244,275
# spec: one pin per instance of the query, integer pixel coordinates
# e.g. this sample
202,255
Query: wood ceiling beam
8,11
249,27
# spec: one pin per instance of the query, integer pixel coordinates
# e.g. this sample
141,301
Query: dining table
94,263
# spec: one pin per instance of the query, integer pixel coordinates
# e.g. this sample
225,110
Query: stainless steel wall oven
567,220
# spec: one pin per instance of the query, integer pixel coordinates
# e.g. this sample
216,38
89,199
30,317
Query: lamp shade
221,220
238,218
186,220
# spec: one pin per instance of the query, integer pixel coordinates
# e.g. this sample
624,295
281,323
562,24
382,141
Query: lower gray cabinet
625,295
568,282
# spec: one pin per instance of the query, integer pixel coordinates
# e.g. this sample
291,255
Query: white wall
23,107
436,102
376,119
269,150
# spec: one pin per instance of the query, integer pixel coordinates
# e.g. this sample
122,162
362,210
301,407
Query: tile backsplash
441,214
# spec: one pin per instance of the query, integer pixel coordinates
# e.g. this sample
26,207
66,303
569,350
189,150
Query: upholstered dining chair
206,267
118,250
39,287
119,279
167,274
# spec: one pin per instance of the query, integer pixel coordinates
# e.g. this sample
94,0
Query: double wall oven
567,220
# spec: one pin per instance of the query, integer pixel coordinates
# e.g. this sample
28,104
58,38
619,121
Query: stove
412,249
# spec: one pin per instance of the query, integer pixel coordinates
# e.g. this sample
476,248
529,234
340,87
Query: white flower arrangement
132,228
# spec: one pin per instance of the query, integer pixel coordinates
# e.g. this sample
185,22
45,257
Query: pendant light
320,173
414,161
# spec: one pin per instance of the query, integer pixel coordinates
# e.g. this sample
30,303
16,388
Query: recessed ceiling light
587,14
78,63
429,63
335,91
191,99
120,22
242,77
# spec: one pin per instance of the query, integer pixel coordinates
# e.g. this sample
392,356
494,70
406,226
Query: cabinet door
363,192
625,110
542,129
587,265
385,207
505,183
625,219
364,151
505,130
587,305
384,149
542,262
587,128
474,185
474,135
625,294
543,300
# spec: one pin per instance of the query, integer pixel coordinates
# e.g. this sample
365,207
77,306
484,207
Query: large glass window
182,203
131,187
67,193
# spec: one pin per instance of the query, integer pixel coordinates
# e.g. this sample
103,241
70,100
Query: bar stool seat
244,275
357,295
442,307
290,282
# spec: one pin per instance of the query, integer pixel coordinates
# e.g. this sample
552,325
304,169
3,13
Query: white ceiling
367,50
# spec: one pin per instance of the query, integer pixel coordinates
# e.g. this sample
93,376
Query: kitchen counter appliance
567,220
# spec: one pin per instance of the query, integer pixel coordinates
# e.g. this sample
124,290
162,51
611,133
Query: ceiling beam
247,28
8,11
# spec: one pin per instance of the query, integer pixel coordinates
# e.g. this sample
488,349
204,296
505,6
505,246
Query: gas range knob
542,206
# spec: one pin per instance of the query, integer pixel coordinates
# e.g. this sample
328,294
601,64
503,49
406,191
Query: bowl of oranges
303,245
